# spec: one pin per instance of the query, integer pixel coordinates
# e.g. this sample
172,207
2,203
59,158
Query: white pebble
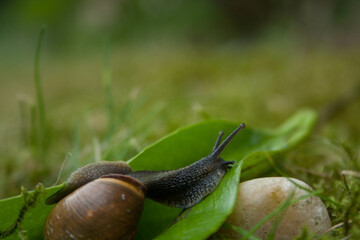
259,197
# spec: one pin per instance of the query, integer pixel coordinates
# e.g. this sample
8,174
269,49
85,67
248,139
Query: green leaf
180,149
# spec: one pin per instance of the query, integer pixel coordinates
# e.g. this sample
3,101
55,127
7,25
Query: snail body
186,186
87,174
181,188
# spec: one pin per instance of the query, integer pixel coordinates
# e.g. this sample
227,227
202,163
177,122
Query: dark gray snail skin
87,174
181,188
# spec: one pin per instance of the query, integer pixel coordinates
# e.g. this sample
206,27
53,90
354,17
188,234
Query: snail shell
106,208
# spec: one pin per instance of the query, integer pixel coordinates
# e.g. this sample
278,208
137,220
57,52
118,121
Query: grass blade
39,93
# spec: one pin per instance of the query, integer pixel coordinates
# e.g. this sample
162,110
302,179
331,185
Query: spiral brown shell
107,208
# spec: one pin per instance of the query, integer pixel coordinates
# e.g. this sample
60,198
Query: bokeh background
118,75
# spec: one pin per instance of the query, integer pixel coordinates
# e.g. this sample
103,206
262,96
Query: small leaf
180,149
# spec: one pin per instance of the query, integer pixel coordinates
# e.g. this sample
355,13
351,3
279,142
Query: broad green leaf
179,149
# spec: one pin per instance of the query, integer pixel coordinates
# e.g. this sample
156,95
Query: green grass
109,104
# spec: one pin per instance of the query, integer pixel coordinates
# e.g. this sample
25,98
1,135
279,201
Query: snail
87,191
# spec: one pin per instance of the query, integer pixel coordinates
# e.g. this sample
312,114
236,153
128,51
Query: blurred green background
118,75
